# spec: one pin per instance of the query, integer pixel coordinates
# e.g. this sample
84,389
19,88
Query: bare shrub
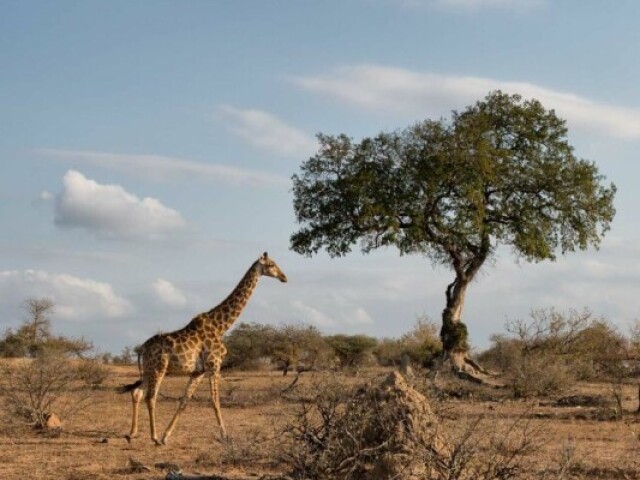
126,357
538,374
389,430
254,447
486,451
92,372
552,350
50,383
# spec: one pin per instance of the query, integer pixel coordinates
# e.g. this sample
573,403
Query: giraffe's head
269,268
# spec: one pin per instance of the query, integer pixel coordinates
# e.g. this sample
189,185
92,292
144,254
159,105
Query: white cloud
265,131
168,293
382,88
75,298
111,212
359,316
325,307
161,168
45,196
312,315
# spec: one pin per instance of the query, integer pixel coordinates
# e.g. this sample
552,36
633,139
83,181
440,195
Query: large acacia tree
501,172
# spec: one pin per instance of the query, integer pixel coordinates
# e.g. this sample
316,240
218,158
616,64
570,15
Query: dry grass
575,442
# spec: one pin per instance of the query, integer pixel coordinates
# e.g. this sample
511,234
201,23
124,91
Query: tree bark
454,334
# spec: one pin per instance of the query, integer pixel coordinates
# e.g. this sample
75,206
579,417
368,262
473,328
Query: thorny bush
342,433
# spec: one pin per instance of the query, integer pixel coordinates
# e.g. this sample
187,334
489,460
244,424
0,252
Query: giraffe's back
174,353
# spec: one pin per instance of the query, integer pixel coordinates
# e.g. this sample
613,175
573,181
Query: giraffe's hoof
157,442
128,438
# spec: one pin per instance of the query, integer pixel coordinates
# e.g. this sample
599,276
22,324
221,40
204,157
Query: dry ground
584,439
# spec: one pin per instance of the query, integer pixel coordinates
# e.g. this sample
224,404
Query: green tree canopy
351,349
501,172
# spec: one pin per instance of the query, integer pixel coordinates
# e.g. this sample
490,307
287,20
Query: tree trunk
454,334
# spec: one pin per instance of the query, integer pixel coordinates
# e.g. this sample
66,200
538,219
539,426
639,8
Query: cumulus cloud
168,294
77,299
382,88
359,316
334,312
161,168
45,196
111,212
266,131
312,315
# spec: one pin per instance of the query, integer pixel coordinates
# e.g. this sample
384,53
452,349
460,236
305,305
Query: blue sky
147,149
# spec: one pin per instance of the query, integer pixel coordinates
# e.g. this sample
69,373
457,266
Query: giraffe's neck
231,307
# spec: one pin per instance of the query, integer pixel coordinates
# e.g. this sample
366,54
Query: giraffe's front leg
214,379
150,398
192,386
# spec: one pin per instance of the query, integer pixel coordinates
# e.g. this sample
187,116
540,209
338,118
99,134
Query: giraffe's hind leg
191,388
136,397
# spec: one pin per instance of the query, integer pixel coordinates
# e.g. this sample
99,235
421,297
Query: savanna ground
568,440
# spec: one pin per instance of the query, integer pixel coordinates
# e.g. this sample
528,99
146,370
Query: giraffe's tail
129,388
132,386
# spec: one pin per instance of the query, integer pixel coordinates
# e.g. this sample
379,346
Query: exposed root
465,368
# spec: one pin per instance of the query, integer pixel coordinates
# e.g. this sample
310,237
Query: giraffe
195,350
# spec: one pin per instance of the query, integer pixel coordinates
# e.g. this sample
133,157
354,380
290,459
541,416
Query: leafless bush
92,372
48,384
540,374
485,451
549,352
374,431
310,434
253,448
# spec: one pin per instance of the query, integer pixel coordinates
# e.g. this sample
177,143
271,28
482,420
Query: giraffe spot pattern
195,349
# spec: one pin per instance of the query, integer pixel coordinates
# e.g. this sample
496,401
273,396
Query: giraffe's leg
136,397
150,398
191,388
214,378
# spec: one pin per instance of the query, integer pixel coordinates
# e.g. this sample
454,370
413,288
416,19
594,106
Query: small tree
37,327
13,345
499,173
247,343
34,336
34,332
351,350
421,344
126,357
298,346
